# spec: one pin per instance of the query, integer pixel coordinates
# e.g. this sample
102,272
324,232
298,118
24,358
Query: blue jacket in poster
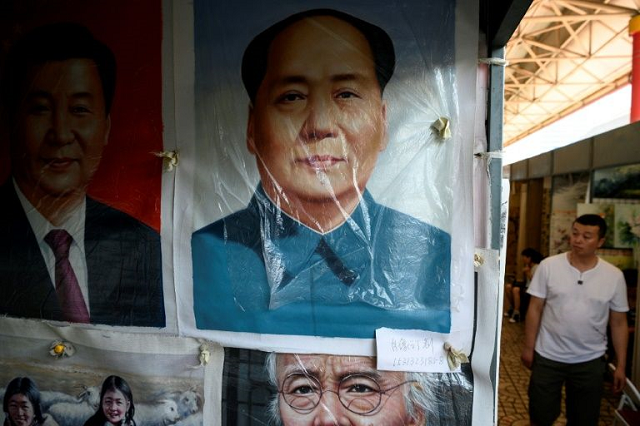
259,270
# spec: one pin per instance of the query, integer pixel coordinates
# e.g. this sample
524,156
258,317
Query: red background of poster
129,177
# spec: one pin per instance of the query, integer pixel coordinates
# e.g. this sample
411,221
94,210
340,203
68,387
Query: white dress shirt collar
74,225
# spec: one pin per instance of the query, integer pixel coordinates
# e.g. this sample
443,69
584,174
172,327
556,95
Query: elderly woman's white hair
421,401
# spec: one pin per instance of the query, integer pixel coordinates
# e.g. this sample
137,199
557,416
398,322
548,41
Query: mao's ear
601,242
251,145
383,118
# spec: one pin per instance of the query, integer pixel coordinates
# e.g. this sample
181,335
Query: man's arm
619,338
531,328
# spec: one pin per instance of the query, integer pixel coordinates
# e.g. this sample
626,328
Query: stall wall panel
617,147
540,166
572,158
519,170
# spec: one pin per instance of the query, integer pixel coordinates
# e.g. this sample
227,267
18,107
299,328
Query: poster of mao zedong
323,197
81,113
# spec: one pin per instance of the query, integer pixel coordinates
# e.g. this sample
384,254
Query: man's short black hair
256,55
593,220
535,255
50,43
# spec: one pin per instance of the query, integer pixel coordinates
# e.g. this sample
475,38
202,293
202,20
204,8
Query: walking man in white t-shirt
573,297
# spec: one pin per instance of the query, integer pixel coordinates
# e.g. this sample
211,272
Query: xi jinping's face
318,121
62,128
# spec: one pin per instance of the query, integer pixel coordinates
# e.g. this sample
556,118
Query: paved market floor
513,402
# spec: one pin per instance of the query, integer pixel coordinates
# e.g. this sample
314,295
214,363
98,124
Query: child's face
115,406
21,410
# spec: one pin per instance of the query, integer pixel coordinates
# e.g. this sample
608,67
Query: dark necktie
67,288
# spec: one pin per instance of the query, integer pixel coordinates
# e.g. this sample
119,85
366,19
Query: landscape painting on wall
617,182
627,228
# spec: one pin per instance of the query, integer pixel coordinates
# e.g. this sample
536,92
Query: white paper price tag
411,350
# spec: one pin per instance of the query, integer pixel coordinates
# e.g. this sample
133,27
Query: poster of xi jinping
80,115
330,157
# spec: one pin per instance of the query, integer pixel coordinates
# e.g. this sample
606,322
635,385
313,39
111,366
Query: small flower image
60,348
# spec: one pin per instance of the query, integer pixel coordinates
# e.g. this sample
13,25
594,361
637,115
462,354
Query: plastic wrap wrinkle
385,269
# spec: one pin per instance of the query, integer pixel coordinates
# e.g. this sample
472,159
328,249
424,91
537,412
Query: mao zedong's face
326,380
62,129
318,122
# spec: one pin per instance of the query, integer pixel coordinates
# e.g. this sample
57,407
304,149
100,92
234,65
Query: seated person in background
509,282
63,255
21,404
313,253
531,258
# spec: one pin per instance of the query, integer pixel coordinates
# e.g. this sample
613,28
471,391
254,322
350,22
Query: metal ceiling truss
564,54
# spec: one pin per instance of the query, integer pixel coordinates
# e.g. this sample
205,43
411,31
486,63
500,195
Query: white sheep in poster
187,403
71,413
165,412
192,420
49,398
90,395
